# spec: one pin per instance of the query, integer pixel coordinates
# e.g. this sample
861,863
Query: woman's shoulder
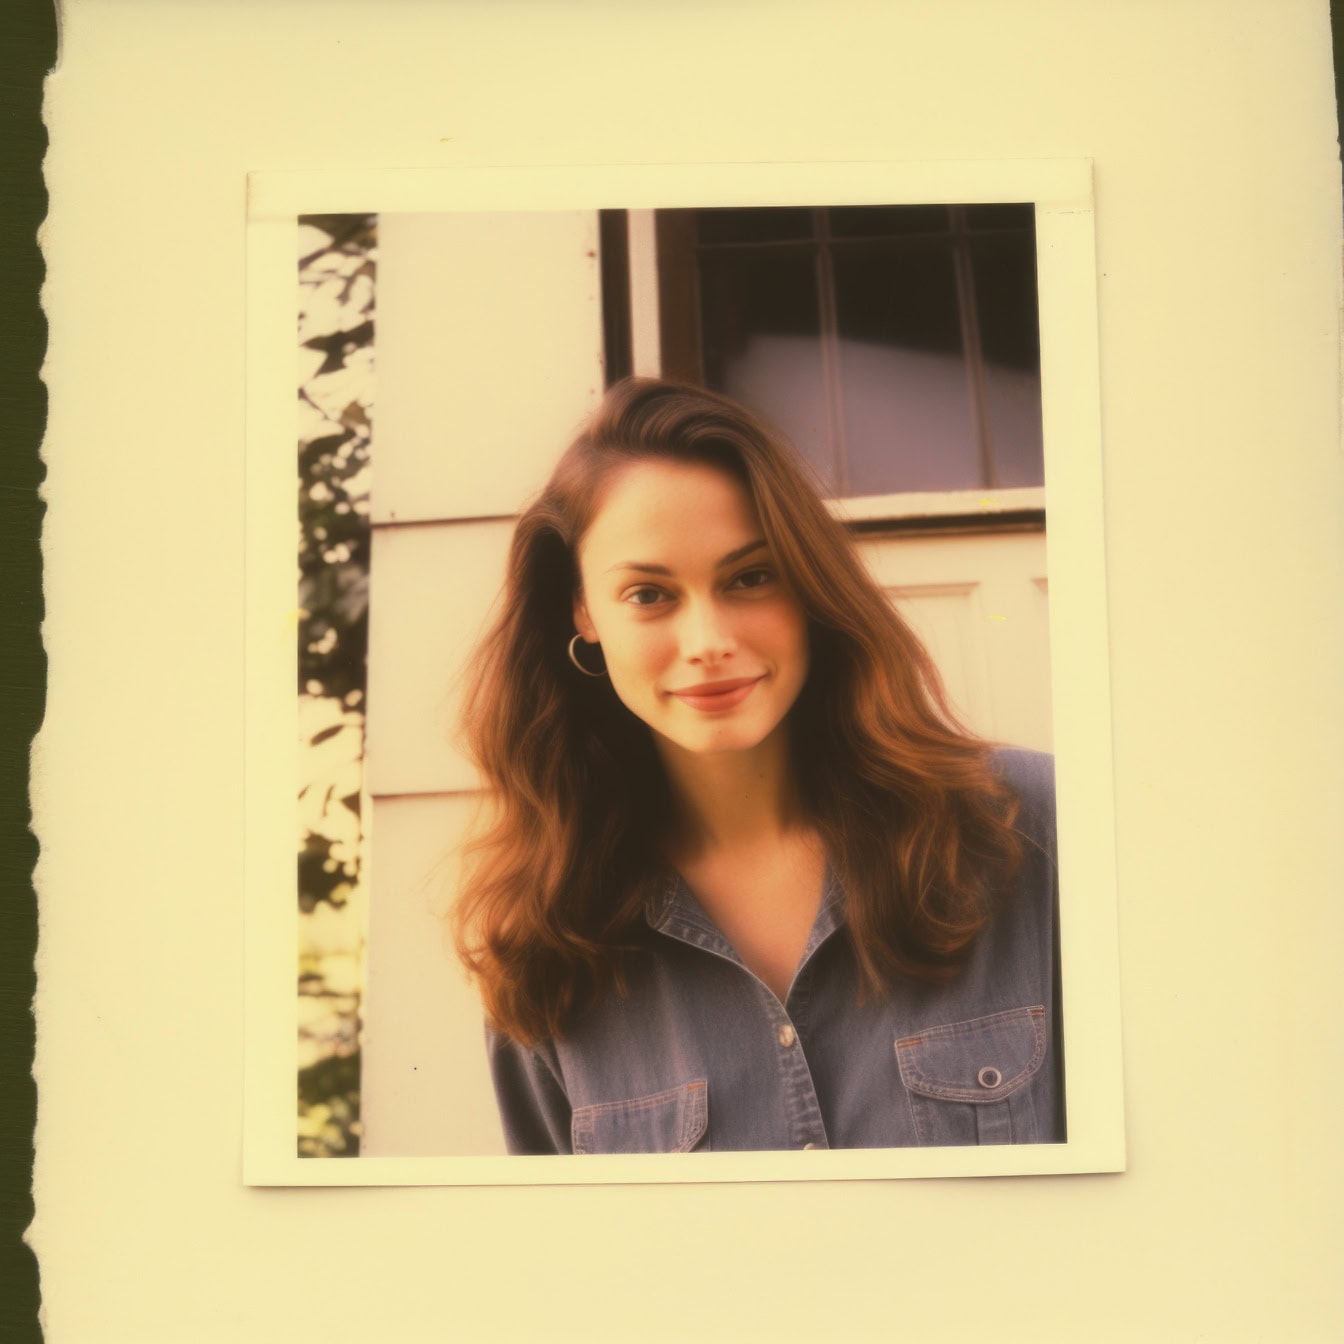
1030,775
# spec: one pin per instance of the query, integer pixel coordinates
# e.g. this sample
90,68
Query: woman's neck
731,800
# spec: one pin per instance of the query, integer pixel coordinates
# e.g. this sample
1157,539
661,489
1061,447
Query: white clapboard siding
426,1087
488,355
432,590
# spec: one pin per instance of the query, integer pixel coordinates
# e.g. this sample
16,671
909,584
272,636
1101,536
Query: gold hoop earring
574,658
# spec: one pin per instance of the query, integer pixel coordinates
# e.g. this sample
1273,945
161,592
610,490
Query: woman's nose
706,636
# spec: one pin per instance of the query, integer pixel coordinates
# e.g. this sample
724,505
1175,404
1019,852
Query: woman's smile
717,697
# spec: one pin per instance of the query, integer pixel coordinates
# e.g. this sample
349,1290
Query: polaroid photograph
678,728
663,631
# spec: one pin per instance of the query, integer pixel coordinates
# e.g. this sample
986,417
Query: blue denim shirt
701,1055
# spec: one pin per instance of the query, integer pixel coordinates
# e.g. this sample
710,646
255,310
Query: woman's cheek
632,662
641,648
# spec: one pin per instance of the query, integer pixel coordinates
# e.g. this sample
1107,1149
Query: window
896,345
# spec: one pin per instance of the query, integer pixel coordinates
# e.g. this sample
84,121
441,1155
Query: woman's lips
713,696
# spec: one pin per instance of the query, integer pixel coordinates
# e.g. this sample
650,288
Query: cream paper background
1211,128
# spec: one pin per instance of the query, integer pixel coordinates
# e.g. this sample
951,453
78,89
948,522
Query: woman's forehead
686,508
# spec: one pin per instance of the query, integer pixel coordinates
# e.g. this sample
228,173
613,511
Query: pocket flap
983,1059
665,1122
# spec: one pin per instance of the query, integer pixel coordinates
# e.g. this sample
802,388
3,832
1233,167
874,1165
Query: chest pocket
968,1082
675,1121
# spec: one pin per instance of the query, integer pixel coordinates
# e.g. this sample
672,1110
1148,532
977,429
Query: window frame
662,287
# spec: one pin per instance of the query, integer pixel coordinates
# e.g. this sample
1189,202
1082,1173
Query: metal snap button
989,1076
808,1147
787,1035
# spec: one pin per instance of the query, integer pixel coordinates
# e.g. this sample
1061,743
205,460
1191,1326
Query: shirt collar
671,908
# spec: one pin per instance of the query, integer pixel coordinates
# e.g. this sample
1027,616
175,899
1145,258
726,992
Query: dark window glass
867,221
905,403
902,297
1001,216
753,226
1004,266
896,345
760,328
1004,271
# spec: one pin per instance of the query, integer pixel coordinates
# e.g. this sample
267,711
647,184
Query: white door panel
979,603
947,618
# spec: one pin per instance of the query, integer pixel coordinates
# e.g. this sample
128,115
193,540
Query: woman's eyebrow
644,568
741,553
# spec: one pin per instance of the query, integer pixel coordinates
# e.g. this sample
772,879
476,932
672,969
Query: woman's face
703,639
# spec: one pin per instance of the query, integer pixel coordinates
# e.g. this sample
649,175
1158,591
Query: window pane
1001,216
906,404
868,221
760,325
753,225
905,421
1005,287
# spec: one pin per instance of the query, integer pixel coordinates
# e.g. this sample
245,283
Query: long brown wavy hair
916,823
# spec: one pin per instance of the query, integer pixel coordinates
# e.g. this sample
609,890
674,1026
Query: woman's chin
715,739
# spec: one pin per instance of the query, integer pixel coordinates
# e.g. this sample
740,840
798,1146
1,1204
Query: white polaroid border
1062,193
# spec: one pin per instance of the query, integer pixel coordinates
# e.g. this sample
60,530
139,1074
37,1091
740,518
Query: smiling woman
707,628
746,883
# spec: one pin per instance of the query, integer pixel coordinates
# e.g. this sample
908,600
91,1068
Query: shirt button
787,1036
989,1076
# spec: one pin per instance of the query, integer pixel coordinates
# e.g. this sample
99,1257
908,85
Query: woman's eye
754,578
644,597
